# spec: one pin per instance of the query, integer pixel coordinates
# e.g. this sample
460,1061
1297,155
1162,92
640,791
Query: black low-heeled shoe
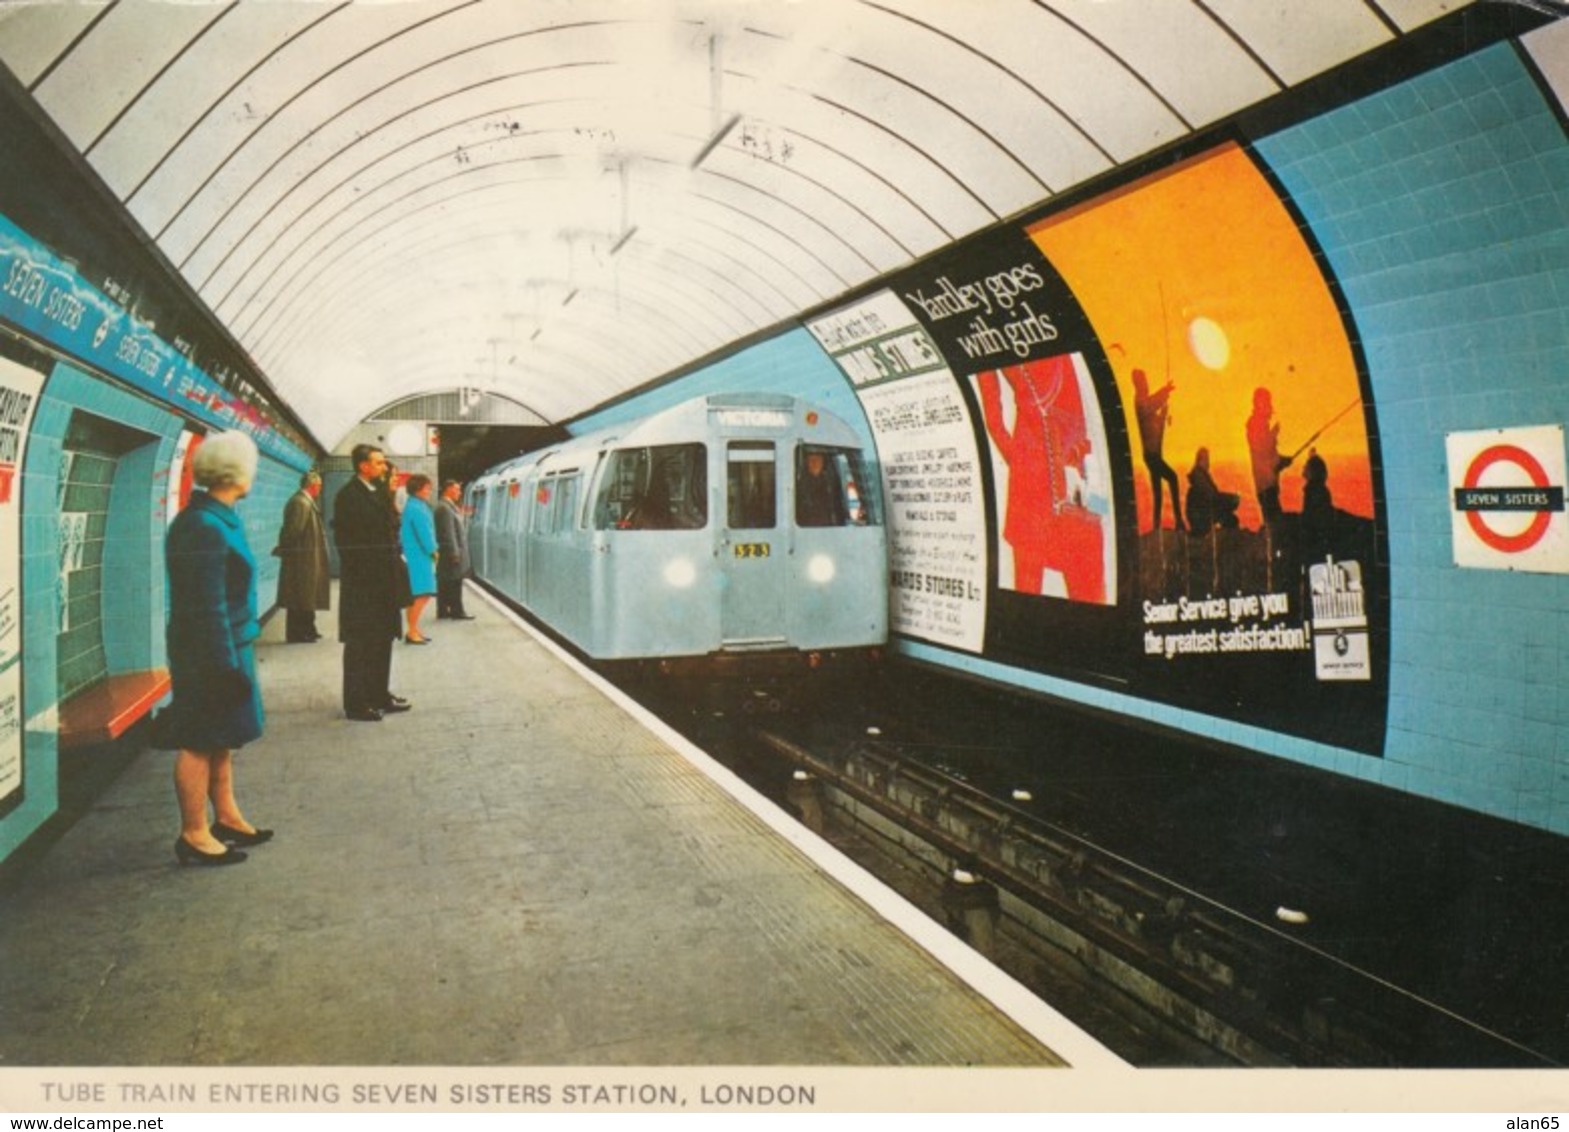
231,836
188,854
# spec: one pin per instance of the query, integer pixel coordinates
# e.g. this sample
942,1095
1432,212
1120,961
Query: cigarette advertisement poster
1255,503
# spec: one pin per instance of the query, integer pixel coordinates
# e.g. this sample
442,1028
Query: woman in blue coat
212,667
420,551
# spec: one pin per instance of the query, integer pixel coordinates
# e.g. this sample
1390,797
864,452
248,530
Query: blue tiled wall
1442,207
136,604
262,511
131,601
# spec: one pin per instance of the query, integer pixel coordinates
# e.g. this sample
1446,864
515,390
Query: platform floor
513,873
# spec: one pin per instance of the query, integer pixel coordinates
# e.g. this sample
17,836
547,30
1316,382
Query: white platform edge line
1040,1020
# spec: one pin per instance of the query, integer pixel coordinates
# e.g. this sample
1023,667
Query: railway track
1162,973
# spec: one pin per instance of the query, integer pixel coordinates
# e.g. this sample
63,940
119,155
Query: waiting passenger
397,489
372,583
420,551
217,703
819,498
453,538
304,581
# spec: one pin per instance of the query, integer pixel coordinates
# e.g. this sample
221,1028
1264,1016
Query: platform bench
107,710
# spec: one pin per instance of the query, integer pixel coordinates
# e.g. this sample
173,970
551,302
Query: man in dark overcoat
452,537
370,573
304,582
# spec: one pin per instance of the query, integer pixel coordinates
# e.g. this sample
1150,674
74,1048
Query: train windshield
829,488
662,487
751,505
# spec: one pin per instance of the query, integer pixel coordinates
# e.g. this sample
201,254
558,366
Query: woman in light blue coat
420,551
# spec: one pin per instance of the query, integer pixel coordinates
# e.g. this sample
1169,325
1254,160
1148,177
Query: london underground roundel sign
1507,490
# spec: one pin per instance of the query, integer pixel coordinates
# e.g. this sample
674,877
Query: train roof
689,420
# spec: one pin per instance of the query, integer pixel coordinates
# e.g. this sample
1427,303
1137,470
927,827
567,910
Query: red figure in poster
1045,521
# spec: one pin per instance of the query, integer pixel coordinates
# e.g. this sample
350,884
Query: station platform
517,872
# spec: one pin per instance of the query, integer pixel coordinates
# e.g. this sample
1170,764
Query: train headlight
820,568
680,573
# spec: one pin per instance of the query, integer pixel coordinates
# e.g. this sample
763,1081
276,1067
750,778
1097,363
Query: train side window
660,488
518,510
751,487
828,488
563,503
544,497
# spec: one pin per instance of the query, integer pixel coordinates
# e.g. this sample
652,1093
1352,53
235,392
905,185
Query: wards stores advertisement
1130,445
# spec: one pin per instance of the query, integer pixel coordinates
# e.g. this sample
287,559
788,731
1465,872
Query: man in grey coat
452,537
304,580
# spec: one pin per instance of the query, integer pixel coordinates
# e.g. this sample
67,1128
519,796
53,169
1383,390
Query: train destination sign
1508,493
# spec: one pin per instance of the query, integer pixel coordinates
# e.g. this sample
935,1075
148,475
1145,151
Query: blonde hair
224,458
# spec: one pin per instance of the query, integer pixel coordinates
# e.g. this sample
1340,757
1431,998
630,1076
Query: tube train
735,533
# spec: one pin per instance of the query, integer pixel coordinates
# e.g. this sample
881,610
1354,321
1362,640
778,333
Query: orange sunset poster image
1232,362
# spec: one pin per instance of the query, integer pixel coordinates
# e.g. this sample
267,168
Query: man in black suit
365,529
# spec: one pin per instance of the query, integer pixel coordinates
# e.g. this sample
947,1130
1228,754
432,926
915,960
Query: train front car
739,533
731,534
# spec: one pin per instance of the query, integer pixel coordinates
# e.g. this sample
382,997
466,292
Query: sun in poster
1230,355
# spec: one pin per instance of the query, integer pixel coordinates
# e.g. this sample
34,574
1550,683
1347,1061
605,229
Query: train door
753,556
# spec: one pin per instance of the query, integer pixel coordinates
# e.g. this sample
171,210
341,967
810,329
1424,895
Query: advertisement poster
930,469
19,389
1016,337
180,483
1259,590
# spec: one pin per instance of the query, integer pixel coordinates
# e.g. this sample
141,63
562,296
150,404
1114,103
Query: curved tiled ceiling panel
561,200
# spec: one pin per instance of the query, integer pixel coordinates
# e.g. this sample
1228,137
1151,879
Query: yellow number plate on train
752,550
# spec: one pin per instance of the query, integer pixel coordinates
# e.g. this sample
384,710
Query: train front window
829,489
663,487
751,487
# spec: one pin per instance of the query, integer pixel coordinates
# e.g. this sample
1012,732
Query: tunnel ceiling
561,200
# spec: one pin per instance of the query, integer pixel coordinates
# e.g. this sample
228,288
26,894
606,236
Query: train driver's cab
662,487
828,487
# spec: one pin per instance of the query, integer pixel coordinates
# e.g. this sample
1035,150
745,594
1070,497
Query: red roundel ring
1513,454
